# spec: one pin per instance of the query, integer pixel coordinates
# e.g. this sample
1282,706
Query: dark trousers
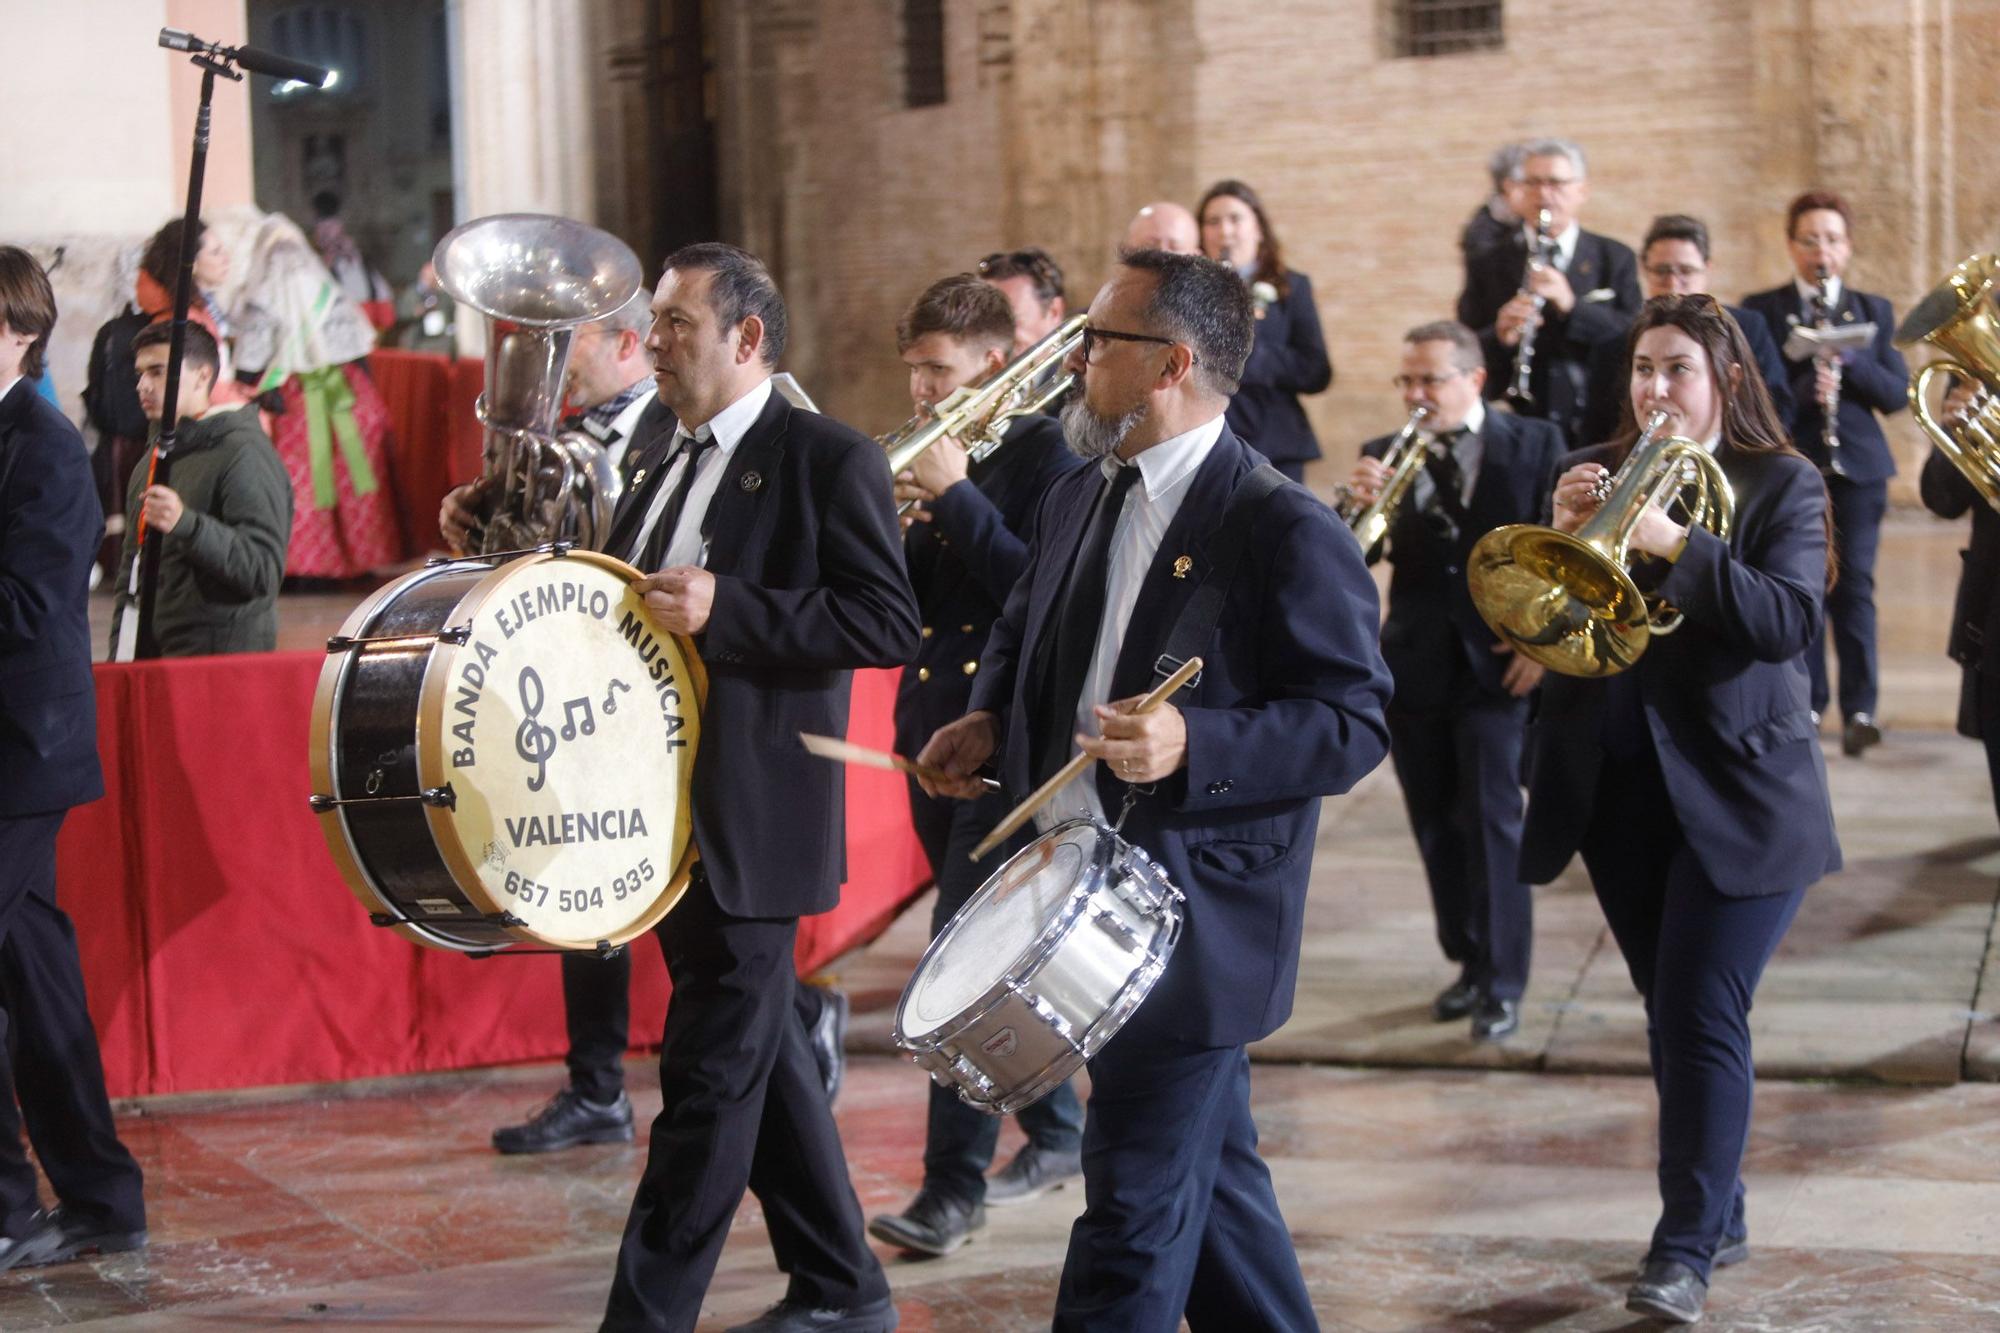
959,1140
597,1002
1985,700
743,1107
1460,769
1179,1216
1695,956
1850,607
48,1051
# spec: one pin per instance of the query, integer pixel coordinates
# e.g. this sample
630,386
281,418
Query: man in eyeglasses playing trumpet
966,545
1459,714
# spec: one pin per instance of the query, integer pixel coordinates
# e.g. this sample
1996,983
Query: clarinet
1544,254
1829,400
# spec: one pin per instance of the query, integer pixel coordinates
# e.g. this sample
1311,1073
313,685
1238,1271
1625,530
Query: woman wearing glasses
1289,356
1692,783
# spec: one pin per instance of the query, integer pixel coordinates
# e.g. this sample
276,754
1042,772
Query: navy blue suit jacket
1287,358
1611,377
1724,698
964,562
1876,379
1430,605
1974,642
1289,709
50,524
809,585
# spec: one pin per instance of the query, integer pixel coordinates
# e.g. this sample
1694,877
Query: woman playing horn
1693,784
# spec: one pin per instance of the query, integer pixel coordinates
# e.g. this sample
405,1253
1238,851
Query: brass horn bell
1961,317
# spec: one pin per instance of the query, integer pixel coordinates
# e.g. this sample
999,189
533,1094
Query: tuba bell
1961,317
537,278
1565,600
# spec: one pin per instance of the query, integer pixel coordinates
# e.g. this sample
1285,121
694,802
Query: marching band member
1692,783
1223,782
1163,225
1975,616
1458,718
1495,221
1032,282
1674,262
773,536
1818,231
965,551
1289,358
1590,289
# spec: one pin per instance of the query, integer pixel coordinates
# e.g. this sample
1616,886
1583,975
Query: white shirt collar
1475,420
626,420
1566,241
9,386
1809,292
1170,463
728,427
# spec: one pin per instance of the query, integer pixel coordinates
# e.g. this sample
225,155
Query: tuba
1564,599
977,415
1404,458
536,279
1960,316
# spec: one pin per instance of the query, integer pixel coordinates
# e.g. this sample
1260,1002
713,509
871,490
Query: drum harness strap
1203,611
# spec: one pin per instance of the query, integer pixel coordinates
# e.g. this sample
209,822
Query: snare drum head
1015,910
566,726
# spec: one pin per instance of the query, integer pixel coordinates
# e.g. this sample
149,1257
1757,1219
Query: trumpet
1566,600
1404,458
1524,356
1961,317
1829,400
977,415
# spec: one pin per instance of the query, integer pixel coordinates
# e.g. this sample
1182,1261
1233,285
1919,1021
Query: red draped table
222,950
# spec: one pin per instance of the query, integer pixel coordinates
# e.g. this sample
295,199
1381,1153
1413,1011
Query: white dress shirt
8,387
1565,243
1469,451
727,428
619,432
1809,294
1165,472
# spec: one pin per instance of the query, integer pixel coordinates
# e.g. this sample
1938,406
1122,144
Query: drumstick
846,752
1045,793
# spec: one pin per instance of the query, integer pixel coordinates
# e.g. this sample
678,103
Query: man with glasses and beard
1459,718
1220,785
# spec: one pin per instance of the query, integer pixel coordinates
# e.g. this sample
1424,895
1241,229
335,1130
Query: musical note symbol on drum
611,693
534,742
570,725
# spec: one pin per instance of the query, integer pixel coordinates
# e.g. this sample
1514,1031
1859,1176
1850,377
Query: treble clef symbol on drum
533,741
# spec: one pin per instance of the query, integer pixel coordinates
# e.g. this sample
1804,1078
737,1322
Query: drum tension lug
444,798
457,634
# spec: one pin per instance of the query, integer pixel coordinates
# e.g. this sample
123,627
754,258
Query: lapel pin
1182,564
638,478
750,481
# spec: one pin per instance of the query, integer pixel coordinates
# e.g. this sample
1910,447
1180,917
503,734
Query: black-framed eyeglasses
1091,336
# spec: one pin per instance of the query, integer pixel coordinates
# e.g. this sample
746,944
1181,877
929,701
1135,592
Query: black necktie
662,535
1077,624
1442,466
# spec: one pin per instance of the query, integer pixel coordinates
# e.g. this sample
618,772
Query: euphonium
977,415
536,279
1543,256
1565,600
1405,459
1961,316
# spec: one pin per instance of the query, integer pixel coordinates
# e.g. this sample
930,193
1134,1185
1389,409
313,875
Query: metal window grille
923,53
1444,27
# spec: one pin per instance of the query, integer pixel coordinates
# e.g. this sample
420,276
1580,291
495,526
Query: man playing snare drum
1221,785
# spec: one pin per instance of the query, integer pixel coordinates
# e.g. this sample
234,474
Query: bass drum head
1017,909
566,725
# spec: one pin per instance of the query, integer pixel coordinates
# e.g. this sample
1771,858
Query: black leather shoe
55,1237
1733,1250
1668,1291
790,1316
1033,1173
1455,1001
829,1039
1495,1019
1859,734
933,1223
566,1121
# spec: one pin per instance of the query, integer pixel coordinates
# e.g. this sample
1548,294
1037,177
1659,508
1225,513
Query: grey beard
1092,437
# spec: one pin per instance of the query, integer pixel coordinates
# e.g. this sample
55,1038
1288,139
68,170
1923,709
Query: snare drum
1041,967
504,754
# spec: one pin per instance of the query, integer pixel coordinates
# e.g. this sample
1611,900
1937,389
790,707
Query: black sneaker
933,1223
566,1121
789,1316
55,1237
1033,1173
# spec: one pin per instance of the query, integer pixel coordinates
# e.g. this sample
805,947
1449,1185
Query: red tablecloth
222,950
437,438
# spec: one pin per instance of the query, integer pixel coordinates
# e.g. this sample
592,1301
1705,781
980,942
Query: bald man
1164,226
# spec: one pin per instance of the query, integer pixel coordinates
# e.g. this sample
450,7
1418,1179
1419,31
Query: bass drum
504,755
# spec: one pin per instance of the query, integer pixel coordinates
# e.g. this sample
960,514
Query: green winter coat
221,565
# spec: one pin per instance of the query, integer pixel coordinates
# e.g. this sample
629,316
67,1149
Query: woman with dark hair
1693,783
1289,356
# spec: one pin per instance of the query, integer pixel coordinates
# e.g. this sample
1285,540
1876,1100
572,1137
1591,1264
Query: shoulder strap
1201,612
